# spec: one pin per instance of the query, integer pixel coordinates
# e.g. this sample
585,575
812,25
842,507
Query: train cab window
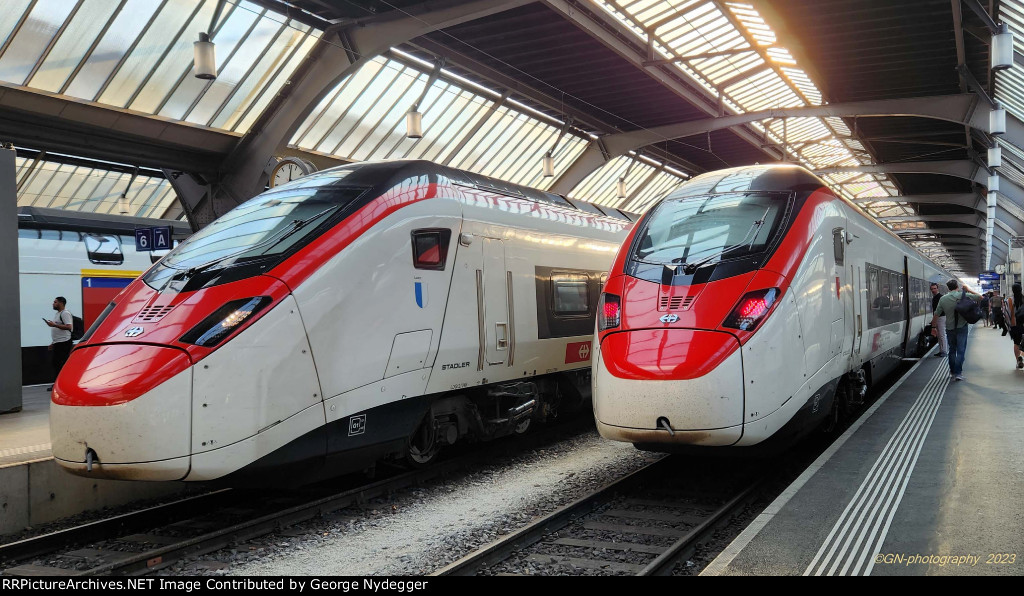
430,248
570,294
104,249
838,245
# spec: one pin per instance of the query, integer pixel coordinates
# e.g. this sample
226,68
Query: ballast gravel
422,529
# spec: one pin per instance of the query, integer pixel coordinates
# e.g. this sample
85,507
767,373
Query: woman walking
1016,324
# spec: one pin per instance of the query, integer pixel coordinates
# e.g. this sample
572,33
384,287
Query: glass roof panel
363,118
767,78
29,43
137,54
93,188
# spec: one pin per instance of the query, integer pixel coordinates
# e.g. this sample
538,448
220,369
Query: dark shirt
935,300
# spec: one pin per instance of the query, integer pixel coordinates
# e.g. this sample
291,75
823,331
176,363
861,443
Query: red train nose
112,374
666,353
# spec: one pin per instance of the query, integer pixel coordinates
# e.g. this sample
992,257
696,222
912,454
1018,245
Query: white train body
766,341
422,307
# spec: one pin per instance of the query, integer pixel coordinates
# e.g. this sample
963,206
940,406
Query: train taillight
609,313
751,309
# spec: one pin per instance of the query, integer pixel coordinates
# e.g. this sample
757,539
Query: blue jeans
957,339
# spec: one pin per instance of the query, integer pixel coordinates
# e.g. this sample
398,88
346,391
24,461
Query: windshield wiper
691,268
294,226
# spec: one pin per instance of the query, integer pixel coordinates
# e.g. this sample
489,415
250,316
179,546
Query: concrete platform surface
928,482
25,435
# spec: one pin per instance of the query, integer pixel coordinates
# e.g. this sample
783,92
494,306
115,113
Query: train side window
569,294
430,248
28,234
838,245
104,249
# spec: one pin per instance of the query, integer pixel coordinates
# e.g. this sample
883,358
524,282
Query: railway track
152,539
643,524
653,521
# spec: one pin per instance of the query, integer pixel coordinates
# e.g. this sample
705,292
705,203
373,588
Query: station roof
613,89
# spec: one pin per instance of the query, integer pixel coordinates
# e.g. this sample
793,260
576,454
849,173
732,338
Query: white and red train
372,310
748,307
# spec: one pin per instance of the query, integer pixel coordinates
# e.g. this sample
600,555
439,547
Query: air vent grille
152,314
675,302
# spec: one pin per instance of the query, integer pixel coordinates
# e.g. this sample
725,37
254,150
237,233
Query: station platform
34,490
25,435
927,482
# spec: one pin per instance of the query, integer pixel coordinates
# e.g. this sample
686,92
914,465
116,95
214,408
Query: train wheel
423,444
522,427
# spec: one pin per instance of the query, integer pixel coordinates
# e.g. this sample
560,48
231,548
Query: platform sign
162,238
988,276
150,239
144,239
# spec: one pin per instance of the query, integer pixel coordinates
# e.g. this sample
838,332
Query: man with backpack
60,334
961,308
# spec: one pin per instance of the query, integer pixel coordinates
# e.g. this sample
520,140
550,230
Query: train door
841,301
905,294
858,309
492,303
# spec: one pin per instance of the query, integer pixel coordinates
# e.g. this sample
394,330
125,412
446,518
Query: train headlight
608,312
751,309
220,324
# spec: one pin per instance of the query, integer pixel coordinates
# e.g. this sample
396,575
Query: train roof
768,177
391,172
81,221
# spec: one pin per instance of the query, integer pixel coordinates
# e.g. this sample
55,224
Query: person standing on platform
956,326
984,306
939,324
1016,322
60,335
998,305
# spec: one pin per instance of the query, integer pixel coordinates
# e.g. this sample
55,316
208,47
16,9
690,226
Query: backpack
1018,313
967,308
77,328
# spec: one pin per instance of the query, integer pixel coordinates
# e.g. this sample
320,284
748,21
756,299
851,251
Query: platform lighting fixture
993,183
997,120
122,202
620,186
204,55
548,161
548,165
995,156
1002,48
414,125
204,58
414,117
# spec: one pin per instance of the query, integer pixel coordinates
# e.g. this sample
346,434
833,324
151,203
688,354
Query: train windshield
695,231
259,230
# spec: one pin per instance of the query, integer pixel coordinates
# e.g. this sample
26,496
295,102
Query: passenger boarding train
752,305
368,311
